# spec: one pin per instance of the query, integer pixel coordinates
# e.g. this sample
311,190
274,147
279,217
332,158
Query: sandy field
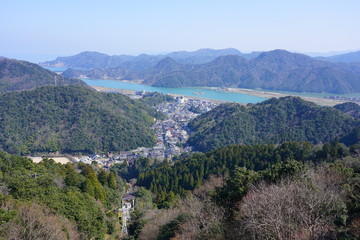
62,160
259,93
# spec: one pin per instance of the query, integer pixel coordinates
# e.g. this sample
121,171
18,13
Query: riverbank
240,95
265,94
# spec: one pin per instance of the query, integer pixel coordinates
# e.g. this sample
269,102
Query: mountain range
273,70
18,75
90,59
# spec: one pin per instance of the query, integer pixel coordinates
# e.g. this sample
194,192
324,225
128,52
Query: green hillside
18,75
53,201
232,192
350,108
72,119
271,122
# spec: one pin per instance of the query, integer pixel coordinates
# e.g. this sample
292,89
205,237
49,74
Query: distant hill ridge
352,57
18,75
274,70
91,59
273,121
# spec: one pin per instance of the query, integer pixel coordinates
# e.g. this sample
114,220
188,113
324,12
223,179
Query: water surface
189,91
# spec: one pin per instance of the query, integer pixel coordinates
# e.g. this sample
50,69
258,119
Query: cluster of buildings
171,134
352,99
173,131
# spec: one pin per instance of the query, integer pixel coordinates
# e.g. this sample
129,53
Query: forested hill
271,122
49,200
72,119
21,75
350,108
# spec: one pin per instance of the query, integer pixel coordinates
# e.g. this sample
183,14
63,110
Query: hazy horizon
45,30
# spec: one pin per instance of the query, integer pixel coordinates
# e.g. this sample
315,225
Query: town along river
189,91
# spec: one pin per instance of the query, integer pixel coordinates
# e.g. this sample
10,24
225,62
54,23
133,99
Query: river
189,91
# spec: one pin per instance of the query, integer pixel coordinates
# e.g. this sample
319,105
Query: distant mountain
89,59
18,75
271,122
353,57
73,119
207,55
274,70
143,61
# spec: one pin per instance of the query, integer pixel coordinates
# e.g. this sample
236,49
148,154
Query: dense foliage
73,119
270,122
18,75
299,190
186,175
155,98
85,198
350,108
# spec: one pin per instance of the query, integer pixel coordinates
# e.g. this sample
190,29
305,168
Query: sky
40,30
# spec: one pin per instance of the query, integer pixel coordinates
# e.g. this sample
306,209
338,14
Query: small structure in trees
127,205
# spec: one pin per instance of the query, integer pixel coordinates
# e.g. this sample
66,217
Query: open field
259,93
62,160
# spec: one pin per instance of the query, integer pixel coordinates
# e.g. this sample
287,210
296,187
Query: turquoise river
194,91
191,91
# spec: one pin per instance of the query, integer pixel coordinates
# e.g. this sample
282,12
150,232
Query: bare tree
204,218
36,222
155,219
303,209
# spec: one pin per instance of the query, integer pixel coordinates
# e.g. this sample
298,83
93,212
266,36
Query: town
171,133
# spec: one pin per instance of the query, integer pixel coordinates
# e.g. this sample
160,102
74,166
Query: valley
184,158
180,120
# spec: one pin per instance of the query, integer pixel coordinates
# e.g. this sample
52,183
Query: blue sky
62,28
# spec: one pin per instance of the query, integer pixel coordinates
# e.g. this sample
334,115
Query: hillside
350,108
18,75
274,70
72,119
53,201
271,122
294,187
